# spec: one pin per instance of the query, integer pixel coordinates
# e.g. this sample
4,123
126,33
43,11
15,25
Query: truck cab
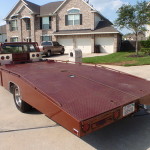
17,52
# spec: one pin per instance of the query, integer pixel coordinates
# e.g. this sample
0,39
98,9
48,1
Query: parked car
51,47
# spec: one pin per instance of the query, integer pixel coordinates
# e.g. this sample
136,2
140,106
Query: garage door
67,43
106,44
84,44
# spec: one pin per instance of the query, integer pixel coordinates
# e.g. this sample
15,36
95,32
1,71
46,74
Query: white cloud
103,5
2,22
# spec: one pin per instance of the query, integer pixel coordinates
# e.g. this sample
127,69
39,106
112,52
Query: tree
134,18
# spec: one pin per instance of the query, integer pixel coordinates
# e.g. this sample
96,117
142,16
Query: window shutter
66,20
40,22
80,19
50,19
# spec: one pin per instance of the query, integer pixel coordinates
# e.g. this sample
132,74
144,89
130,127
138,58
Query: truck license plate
128,109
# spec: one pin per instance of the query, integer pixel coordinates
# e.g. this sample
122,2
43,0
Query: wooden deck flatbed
81,98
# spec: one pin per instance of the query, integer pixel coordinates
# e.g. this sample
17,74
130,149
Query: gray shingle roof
49,8
44,9
3,29
34,7
102,27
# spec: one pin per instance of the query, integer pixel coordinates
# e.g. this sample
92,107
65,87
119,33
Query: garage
106,44
67,43
84,44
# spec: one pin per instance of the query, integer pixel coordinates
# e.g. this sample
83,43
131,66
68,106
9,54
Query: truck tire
20,104
62,51
48,54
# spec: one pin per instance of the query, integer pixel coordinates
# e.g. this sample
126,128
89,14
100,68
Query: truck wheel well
11,87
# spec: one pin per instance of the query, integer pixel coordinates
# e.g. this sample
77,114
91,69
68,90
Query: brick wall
85,10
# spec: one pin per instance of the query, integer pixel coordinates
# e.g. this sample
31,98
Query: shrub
146,50
145,44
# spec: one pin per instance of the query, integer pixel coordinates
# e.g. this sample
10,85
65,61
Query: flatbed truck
79,97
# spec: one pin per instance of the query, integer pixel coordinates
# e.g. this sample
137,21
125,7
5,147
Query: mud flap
145,100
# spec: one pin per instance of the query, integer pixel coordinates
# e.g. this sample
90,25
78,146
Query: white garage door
84,44
67,43
106,43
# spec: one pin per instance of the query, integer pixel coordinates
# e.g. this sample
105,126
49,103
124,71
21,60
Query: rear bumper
105,119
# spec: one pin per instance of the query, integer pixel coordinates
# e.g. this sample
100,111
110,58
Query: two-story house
73,23
147,33
3,35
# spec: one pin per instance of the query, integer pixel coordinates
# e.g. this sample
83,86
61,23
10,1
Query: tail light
85,127
116,115
37,55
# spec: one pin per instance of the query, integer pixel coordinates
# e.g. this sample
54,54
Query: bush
146,50
145,44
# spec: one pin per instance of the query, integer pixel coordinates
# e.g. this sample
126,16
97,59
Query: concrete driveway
65,57
34,131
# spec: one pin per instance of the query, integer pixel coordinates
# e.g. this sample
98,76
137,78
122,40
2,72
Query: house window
13,25
74,17
28,26
46,23
14,39
46,38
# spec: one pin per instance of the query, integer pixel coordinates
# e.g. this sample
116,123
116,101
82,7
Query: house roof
103,27
3,29
49,8
34,7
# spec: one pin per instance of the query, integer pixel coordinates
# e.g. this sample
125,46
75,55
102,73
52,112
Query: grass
119,58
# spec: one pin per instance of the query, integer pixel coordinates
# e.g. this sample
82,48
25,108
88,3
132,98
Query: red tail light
85,127
116,114
37,55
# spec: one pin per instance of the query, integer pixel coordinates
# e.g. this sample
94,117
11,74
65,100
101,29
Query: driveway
65,57
34,131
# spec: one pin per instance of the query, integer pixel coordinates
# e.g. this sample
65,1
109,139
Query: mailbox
75,55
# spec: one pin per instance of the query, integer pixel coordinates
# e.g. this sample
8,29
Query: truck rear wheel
20,104
48,54
62,51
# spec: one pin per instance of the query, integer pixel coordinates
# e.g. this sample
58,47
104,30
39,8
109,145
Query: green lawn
119,58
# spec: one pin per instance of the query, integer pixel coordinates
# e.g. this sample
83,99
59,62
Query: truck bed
82,91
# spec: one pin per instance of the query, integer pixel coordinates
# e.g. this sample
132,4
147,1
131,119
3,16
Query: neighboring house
73,23
132,37
147,33
3,35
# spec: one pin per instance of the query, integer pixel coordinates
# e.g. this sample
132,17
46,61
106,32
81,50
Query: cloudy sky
107,8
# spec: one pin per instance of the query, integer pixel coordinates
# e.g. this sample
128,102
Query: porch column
115,43
19,21
33,28
74,42
92,43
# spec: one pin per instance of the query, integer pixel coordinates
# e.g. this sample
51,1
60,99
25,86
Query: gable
86,3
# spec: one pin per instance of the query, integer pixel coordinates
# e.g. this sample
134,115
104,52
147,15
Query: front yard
120,58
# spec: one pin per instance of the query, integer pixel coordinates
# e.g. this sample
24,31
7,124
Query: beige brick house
73,23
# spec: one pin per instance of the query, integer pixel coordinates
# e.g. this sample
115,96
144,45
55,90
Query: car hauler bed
81,98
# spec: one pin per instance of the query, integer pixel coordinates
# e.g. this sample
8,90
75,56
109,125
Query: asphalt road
34,131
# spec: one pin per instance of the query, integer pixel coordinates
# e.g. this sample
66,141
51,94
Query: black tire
62,51
48,54
20,104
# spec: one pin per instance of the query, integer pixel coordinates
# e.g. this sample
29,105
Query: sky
107,8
